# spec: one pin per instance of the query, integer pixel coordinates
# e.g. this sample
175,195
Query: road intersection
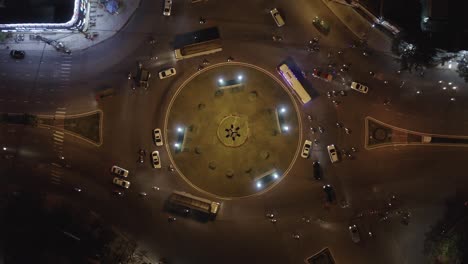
47,82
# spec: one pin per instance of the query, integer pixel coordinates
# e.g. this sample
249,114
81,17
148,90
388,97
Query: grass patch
379,134
19,119
85,126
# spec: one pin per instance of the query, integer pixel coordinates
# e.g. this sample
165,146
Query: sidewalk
360,26
101,23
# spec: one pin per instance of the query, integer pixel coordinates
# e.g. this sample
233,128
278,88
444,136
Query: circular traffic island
232,130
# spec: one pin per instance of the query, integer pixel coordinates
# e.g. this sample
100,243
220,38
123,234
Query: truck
198,49
142,77
186,201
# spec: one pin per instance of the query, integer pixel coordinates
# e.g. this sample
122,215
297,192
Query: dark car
17,54
317,170
321,25
329,192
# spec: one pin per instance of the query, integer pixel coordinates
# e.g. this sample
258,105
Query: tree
462,67
4,36
415,52
447,241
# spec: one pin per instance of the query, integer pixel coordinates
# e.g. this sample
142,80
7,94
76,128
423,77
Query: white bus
289,77
187,200
198,49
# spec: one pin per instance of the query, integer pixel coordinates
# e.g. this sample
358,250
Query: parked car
332,153
155,159
119,171
167,73
321,25
17,54
121,182
317,170
306,149
359,87
322,75
157,137
329,193
353,231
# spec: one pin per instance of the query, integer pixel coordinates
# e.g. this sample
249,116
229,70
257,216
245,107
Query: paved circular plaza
232,130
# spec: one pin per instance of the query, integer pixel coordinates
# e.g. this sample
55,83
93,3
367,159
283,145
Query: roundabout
232,130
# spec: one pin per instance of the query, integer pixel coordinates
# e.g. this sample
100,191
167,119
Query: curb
329,3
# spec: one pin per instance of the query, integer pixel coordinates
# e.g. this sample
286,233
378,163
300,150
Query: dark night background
36,11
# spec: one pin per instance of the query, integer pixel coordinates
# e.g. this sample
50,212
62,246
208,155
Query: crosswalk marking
56,165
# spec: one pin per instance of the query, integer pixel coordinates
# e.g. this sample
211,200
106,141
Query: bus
292,81
198,49
184,201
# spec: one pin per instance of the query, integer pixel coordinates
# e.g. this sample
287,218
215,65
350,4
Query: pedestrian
7,47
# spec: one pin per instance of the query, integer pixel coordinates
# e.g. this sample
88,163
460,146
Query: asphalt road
421,177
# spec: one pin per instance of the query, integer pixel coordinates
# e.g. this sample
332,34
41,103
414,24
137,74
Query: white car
121,182
167,7
353,231
167,73
158,137
332,153
119,171
277,17
155,159
359,87
306,149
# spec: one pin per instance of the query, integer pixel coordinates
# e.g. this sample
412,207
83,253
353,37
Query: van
277,17
167,7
